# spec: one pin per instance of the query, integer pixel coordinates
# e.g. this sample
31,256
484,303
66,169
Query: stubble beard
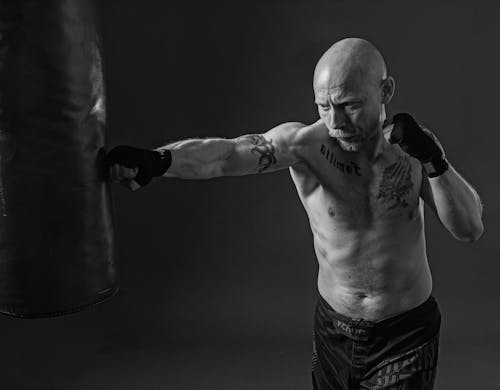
364,140
350,146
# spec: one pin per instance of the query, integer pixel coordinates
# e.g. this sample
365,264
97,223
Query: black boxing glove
150,163
417,143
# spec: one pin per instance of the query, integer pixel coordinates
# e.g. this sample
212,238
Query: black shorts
399,352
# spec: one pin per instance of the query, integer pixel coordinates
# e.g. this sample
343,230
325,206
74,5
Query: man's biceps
254,154
241,161
258,145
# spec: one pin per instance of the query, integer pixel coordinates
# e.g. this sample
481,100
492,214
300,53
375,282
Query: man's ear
388,86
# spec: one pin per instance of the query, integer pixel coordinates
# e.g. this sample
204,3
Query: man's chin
349,146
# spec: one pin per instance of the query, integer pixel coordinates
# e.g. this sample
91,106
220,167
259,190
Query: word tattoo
396,183
350,169
265,149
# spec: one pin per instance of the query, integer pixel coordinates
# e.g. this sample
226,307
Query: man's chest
357,191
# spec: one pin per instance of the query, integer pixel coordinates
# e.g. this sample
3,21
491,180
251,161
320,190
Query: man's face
351,111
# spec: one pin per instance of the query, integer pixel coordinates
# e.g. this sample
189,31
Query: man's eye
352,106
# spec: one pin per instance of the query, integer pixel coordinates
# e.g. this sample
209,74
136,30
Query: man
363,181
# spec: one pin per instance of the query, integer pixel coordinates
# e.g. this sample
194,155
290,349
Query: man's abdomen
375,274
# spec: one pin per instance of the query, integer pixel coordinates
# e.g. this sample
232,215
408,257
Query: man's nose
336,119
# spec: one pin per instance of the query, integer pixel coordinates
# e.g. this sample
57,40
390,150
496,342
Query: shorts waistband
359,328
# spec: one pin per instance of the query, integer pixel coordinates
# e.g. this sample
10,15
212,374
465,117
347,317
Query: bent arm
253,153
456,204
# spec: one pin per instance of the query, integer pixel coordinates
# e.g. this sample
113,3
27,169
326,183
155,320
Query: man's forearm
198,158
458,205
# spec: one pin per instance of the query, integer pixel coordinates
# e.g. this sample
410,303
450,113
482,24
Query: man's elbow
471,235
216,170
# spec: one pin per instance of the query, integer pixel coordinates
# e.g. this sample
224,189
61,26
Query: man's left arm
444,190
455,203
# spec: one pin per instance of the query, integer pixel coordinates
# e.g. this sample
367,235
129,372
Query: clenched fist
135,167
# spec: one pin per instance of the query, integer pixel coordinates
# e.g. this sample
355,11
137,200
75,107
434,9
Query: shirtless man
363,181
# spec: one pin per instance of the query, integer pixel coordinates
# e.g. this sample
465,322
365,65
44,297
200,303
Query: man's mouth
341,134
347,138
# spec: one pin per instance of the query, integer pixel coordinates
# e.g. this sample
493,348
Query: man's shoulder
288,130
298,134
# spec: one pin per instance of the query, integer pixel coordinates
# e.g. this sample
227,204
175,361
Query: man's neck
374,147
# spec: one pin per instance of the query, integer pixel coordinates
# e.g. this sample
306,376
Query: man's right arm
276,149
248,154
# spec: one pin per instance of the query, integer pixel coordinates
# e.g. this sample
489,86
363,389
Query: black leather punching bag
56,237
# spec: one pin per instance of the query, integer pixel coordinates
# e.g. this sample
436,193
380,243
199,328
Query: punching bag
56,237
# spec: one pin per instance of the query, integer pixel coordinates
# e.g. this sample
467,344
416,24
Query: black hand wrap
151,163
414,141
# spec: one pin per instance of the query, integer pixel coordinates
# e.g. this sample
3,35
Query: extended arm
276,149
253,153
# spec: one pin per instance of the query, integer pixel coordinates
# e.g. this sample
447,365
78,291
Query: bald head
349,61
351,89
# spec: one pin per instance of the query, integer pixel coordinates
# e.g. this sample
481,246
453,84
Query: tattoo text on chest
396,183
348,168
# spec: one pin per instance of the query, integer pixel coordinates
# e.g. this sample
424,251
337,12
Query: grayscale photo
249,195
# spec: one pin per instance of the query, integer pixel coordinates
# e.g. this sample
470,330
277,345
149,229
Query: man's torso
368,228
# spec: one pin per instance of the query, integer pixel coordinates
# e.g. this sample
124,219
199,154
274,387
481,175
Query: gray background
218,277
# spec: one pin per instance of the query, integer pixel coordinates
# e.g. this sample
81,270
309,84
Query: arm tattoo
265,149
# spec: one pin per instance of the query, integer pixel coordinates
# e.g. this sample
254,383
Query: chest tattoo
396,183
350,168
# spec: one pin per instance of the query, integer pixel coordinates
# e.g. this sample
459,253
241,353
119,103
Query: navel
361,295
331,212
